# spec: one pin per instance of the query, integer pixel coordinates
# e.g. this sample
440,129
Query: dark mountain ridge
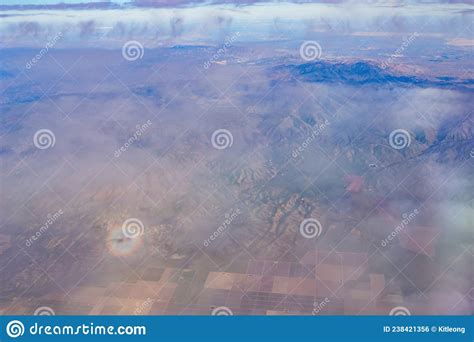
362,72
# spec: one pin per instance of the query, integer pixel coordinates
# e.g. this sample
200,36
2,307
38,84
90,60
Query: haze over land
265,158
